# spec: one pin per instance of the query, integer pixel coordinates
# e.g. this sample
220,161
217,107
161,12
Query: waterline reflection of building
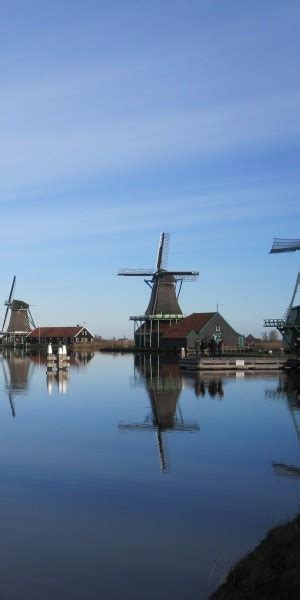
17,367
205,384
211,384
163,382
78,359
288,390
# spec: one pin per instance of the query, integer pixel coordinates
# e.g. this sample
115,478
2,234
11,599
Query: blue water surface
127,479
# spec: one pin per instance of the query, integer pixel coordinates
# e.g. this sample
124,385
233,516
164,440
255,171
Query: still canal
127,479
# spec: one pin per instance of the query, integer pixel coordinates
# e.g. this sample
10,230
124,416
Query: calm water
131,480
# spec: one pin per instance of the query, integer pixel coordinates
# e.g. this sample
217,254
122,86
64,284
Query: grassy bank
270,572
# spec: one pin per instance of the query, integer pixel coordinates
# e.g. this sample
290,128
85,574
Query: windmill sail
163,251
290,306
8,302
163,299
282,245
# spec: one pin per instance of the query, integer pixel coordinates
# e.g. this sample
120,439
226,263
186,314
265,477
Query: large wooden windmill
20,321
163,309
289,325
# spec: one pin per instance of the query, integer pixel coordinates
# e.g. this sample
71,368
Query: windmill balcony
157,317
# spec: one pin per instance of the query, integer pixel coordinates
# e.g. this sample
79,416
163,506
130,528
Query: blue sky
120,120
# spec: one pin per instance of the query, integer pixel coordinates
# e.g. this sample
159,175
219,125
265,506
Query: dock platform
195,363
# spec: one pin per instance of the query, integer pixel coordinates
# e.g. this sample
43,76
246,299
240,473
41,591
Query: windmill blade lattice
163,251
31,318
283,245
8,302
184,275
5,317
136,272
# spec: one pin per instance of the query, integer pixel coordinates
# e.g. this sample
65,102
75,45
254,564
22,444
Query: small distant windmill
20,322
289,325
165,290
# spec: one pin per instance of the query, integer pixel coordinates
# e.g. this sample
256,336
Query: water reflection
211,384
17,372
67,451
205,384
77,359
163,382
18,366
58,378
288,390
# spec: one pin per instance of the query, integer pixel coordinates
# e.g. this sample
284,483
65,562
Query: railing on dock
196,363
238,350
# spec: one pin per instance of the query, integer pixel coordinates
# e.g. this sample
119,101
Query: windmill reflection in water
288,390
17,372
18,366
163,383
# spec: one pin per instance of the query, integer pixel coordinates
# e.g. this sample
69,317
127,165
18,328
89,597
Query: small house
60,335
251,340
201,325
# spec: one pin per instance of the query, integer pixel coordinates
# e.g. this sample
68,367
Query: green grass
270,572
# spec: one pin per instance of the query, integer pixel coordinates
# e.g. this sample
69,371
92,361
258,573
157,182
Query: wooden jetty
59,361
226,363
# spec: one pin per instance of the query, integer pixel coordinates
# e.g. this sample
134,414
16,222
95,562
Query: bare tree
271,336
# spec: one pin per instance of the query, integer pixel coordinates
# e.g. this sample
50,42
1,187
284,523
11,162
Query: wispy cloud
111,144
55,222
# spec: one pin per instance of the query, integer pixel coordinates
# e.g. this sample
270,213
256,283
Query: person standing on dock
214,347
202,347
197,346
220,347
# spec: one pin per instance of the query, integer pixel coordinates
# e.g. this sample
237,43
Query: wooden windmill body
20,320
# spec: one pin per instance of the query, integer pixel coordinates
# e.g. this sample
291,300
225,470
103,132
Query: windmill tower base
289,328
14,339
149,329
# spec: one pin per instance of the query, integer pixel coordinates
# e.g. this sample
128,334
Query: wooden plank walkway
194,363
